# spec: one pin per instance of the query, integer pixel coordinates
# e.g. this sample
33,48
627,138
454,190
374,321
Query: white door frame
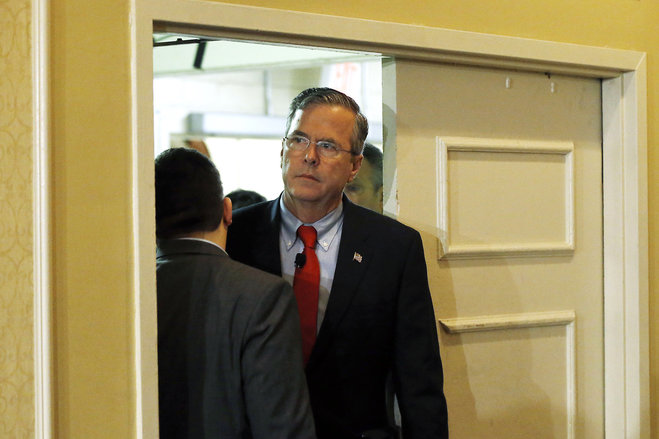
624,156
41,230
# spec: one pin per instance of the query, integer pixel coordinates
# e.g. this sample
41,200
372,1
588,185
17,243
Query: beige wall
92,266
91,103
16,304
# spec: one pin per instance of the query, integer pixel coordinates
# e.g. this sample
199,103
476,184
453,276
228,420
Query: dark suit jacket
379,318
229,351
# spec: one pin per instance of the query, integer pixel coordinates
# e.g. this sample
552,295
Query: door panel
501,173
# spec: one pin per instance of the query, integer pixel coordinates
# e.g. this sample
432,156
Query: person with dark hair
366,188
229,354
243,197
359,278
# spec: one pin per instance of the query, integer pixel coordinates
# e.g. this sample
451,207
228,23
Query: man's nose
311,154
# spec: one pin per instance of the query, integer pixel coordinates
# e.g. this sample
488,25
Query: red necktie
305,285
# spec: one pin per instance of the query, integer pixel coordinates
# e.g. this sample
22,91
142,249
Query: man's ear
227,215
356,165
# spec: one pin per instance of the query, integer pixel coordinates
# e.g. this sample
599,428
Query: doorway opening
624,76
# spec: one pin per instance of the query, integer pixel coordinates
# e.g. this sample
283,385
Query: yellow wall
92,219
16,305
92,205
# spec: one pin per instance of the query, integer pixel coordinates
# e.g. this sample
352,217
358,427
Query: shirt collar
202,240
326,227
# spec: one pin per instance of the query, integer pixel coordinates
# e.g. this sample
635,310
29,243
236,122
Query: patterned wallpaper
16,305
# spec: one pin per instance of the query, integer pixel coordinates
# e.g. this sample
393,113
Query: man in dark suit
373,314
229,353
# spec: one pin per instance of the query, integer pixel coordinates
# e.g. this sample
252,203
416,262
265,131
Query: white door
501,172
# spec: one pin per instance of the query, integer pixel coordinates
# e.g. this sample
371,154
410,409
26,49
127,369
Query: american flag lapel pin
357,257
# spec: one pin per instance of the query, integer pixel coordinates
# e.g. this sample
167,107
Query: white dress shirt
328,238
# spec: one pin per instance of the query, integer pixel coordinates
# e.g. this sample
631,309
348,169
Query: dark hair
188,193
374,157
329,96
242,197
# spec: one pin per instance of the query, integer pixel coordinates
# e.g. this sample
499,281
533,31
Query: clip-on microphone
300,260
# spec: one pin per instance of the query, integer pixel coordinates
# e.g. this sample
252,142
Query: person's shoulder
247,224
254,290
240,273
256,210
248,219
378,222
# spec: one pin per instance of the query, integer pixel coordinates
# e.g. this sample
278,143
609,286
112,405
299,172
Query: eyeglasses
324,148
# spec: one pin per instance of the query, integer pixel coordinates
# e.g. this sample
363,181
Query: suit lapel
351,265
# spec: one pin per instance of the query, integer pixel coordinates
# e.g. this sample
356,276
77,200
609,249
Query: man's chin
305,190
304,195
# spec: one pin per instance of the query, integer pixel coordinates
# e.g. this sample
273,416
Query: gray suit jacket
379,320
229,351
